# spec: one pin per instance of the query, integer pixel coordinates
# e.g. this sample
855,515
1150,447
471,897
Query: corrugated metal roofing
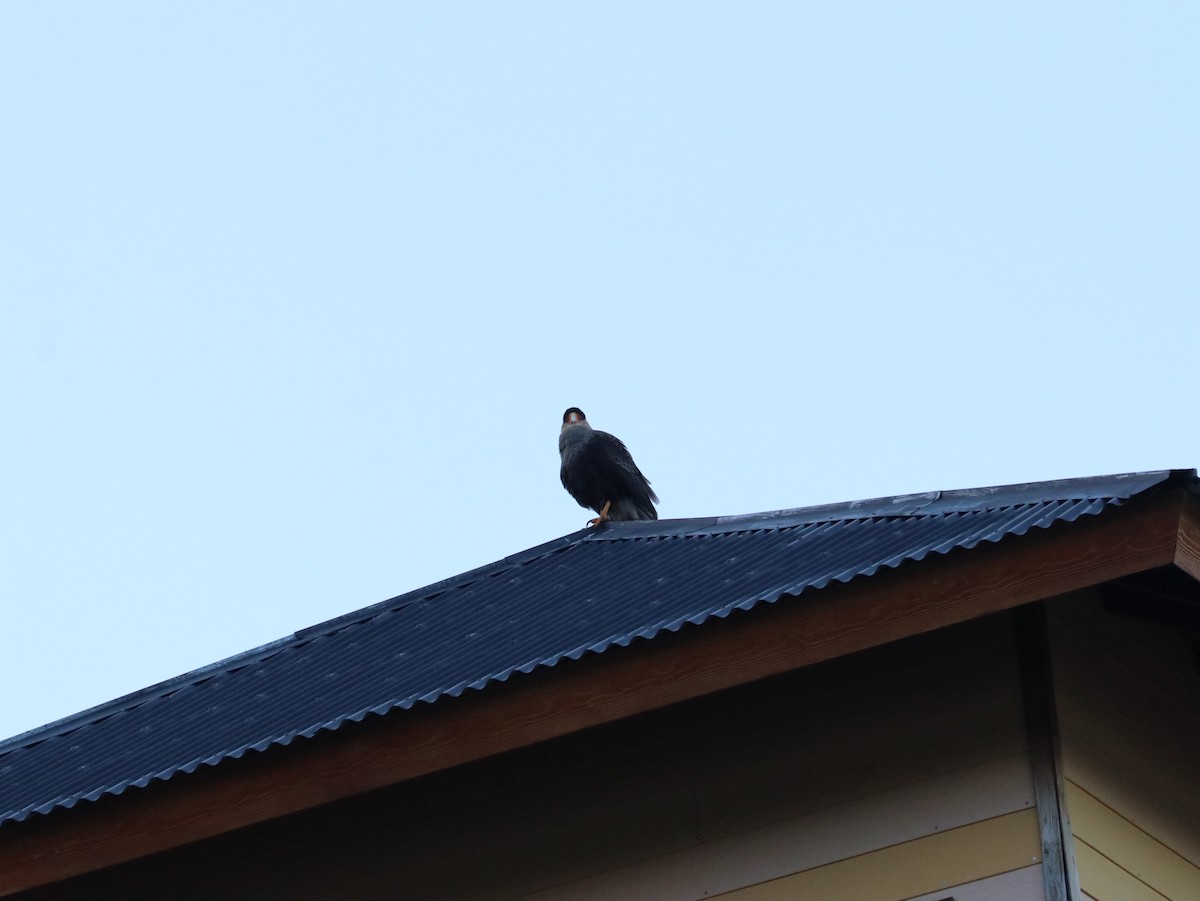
582,593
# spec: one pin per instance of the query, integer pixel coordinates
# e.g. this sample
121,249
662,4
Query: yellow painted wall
1128,696
935,862
1120,860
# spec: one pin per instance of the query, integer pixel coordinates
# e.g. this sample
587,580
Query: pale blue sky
294,295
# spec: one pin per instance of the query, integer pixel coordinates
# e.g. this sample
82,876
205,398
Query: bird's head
573,416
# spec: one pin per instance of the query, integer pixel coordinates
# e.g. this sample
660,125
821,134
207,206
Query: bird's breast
573,439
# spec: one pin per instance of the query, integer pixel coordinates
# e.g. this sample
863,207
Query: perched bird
599,473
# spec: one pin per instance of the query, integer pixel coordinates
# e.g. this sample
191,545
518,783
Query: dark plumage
599,473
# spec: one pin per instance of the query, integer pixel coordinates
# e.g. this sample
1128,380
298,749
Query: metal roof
583,593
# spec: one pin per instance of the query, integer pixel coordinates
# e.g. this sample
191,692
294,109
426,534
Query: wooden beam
1060,876
574,695
1187,548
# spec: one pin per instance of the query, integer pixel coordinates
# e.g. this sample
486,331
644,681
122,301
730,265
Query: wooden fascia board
1187,545
574,695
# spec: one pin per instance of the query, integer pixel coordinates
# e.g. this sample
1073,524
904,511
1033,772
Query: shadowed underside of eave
839,619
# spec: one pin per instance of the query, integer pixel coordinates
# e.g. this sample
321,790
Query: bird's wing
624,472
601,470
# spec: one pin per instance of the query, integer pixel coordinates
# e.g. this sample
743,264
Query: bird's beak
574,418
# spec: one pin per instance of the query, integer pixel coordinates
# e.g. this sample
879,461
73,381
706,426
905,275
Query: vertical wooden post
1059,873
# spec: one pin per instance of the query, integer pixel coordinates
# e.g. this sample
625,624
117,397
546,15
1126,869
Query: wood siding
919,741
1132,850
1015,885
859,836
957,856
1129,710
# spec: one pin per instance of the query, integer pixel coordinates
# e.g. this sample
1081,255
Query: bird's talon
603,517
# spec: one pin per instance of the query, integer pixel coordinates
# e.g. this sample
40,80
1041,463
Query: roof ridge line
433,589
878,506
65,725
134,699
